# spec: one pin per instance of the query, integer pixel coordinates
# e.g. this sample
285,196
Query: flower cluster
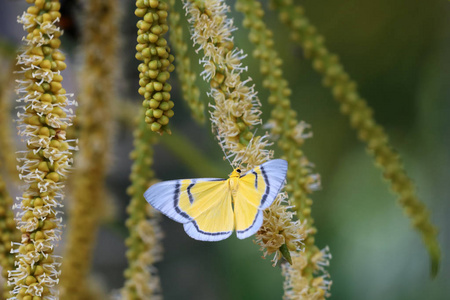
45,165
298,286
157,63
236,109
144,241
279,231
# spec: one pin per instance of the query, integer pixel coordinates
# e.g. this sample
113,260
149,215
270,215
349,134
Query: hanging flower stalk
45,165
187,78
291,134
344,90
236,108
97,91
156,64
144,242
236,111
8,234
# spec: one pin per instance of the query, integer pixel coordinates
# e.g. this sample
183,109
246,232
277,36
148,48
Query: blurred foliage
398,52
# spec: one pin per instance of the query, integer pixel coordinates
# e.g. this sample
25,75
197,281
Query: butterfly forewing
197,195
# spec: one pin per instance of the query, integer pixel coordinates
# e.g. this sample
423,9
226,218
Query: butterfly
211,208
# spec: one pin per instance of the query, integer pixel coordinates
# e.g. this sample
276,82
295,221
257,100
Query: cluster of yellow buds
157,63
45,165
237,108
279,234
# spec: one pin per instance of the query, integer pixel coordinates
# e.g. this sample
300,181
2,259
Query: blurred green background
399,53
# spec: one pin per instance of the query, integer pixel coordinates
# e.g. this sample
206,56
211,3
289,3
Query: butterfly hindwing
257,190
202,205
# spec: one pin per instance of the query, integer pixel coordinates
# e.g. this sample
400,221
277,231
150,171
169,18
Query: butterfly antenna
248,145
221,142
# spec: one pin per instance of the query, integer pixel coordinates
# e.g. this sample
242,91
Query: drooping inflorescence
236,107
361,118
43,119
279,234
156,64
236,110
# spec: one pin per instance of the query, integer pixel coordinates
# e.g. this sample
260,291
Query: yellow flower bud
155,127
30,280
53,176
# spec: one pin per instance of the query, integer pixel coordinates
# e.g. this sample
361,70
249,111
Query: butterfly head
236,173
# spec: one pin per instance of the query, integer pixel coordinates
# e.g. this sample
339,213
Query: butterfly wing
257,190
202,205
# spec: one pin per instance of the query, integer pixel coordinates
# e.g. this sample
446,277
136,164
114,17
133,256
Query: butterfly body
211,208
233,182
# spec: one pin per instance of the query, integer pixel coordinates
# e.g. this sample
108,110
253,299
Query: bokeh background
399,53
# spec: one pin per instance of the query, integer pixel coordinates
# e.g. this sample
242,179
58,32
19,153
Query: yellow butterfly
211,208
